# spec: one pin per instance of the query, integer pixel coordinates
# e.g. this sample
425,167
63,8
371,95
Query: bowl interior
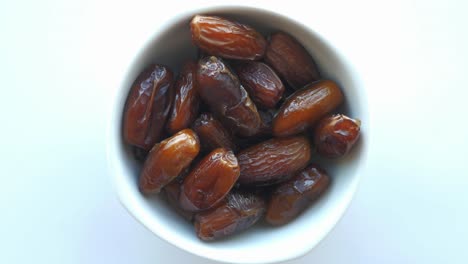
171,46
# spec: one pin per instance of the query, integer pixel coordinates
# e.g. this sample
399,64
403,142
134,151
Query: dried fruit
239,211
306,106
290,198
147,106
209,181
167,160
218,86
186,102
261,82
291,60
221,90
228,39
212,134
172,191
274,160
335,135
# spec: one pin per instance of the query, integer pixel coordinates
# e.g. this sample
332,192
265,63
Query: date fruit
186,102
221,90
238,211
261,82
291,60
290,198
209,181
147,107
225,38
335,135
167,160
212,134
306,106
273,160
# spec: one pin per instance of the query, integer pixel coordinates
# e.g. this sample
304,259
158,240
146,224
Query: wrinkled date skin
261,82
167,160
306,106
209,181
147,107
172,191
225,38
290,198
238,211
274,160
186,102
291,60
221,90
212,134
335,135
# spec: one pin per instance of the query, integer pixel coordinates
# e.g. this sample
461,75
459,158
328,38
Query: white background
57,204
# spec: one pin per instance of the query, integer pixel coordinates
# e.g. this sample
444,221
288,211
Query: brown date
209,181
186,102
335,135
212,134
218,86
221,90
290,198
291,60
274,160
147,107
172,191
306,106
167,160
238,211
261,82
228,39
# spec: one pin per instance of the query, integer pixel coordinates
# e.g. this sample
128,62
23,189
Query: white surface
56,201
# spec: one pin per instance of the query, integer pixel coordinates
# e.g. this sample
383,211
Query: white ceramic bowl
171,45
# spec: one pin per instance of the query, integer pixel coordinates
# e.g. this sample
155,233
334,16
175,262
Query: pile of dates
232,138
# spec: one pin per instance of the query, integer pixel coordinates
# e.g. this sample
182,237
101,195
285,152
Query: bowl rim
137,212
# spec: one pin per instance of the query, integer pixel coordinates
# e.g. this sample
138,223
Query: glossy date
261,82
274,160
335,135
305,107
226,38
167,160
290,198
209,181
238,211
212,134
147,106
221,90
291,60
186,100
